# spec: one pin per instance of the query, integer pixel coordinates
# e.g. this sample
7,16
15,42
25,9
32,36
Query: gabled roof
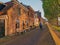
8,5
1,6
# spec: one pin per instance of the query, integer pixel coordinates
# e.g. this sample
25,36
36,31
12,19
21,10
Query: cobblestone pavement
35,37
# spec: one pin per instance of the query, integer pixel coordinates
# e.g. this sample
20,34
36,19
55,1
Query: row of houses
16,17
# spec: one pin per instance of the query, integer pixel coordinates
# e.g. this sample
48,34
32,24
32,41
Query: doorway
2,27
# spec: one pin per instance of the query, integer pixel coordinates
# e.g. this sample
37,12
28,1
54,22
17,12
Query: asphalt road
35,37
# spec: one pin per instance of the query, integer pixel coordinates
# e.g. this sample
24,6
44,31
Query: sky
35,4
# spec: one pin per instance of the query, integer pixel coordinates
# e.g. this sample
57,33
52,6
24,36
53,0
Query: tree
51,9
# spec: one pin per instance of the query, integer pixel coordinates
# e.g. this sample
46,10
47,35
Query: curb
54,35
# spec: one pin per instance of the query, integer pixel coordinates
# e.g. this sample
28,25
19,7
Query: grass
57,28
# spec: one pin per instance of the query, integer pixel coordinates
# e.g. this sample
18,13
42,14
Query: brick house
38,14
23,18
31,14
8,15
15,17
37,18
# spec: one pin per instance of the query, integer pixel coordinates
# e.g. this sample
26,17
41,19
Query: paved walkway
34,37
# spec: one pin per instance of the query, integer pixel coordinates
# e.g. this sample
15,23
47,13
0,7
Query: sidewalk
54,35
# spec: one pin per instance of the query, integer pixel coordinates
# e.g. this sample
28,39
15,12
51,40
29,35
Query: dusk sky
35,4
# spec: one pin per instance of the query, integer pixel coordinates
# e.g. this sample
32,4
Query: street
35,37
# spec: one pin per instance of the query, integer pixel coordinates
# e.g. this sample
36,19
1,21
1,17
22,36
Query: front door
2,27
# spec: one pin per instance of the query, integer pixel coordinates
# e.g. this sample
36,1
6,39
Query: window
25,12
18,11
17,24
26,22
23,24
